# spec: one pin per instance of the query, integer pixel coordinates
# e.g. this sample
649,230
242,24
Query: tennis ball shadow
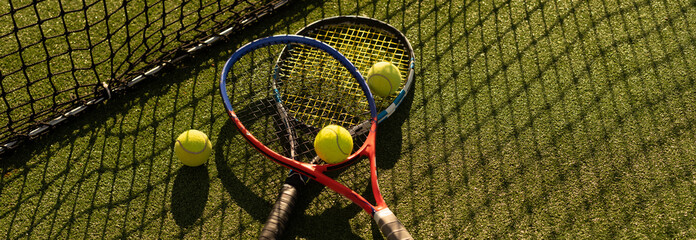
189,194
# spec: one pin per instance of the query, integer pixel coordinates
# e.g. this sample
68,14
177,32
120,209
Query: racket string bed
364,46
317,94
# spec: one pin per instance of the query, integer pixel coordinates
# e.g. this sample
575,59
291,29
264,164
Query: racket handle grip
278,218
390,226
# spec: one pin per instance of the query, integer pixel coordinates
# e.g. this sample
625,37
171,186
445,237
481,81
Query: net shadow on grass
562,98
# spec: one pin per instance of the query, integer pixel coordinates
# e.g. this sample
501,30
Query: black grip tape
278,218
392,228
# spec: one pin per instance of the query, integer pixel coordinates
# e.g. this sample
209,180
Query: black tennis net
58,57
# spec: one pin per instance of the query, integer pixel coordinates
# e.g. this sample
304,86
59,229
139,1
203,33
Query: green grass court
528,119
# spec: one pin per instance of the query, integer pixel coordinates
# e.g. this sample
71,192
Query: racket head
278,103
365,41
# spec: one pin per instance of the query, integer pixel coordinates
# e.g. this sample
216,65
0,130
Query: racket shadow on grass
389,133
244,172
232,180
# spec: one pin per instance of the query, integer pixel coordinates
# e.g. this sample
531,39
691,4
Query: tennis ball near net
193,148
333,144
383,78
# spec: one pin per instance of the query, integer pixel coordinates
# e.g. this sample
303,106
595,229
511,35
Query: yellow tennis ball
193,148
383,78
333,144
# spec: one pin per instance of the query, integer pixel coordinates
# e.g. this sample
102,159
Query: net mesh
58,57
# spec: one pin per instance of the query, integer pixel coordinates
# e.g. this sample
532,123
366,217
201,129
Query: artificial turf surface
528,119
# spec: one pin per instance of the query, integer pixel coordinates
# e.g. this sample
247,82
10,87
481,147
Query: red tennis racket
279,104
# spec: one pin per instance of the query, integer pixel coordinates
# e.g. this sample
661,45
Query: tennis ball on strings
383,78
333,144
193,148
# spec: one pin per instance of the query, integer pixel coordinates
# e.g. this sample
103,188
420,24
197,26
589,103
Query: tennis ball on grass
333,144
193,148
383,78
